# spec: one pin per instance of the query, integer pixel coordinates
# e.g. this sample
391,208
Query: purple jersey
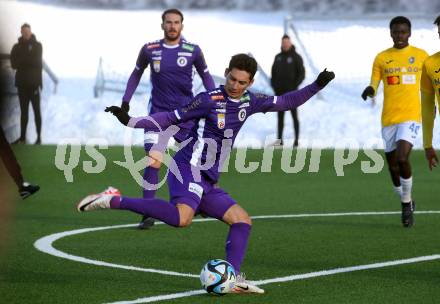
171,74
217,121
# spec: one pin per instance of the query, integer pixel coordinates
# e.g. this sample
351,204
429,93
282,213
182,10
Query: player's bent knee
236,214
186,215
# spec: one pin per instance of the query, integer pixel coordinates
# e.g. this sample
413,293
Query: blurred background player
430,87
287,74
171,61
217,115
27,59
400,69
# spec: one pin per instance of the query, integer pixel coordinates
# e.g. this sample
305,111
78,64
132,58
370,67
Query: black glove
368,92
324,78
121,115
125,106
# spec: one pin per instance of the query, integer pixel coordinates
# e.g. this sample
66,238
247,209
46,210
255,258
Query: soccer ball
217,277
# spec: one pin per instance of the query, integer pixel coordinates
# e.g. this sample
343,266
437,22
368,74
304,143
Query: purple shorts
202,196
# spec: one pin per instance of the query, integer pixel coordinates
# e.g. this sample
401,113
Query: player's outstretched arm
294,99
368,92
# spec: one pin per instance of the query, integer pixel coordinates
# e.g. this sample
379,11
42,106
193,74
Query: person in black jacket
27,59
287,74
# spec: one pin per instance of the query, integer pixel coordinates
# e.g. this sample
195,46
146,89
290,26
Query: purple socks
151,176
236,244
156,208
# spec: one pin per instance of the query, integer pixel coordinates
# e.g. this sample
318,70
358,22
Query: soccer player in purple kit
218,116
171,61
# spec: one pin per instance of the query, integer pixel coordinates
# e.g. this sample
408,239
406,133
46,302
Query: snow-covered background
75,39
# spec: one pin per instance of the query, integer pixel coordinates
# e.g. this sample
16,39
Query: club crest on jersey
182,61
156,66
242,115
221,120
411,60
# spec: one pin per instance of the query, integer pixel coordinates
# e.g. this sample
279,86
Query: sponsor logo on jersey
221,120
157,58
214,92
409,79
157,52
221,104
242,115
393,80
221,110
438,71
153,46
184,54
408,69
195,188
156,66
389,61
437,81
182,61
244,105
245,98
188,47
411,60
217,97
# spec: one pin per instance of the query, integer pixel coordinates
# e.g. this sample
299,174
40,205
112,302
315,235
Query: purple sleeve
154,122
287,101
136,75
199,107
202,70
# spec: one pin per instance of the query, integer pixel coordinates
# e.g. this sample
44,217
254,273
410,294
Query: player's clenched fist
324,78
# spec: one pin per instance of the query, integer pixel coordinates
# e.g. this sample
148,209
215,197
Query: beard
172,36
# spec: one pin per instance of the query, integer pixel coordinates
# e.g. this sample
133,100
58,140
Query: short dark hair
437,20
400,20
244,62
285,36
25,25
172,11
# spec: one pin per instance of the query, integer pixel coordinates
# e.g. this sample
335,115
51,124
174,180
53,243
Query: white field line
45,244
290,278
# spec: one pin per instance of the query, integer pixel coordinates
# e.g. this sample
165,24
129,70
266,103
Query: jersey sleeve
425,82
136,75
376,73
202,70
199,107
287,101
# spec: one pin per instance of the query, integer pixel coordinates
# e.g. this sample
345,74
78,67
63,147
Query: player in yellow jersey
430,87
400,69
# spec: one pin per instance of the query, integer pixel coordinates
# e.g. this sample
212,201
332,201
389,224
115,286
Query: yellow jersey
430,87
400,71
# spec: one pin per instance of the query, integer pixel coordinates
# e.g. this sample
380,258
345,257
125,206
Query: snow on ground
75,39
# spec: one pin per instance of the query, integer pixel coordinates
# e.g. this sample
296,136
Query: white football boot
243,286
98,201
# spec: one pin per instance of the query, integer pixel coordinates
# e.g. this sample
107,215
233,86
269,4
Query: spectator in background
27,59
287,74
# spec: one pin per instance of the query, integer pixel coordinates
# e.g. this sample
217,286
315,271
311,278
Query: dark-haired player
400,69
218,116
